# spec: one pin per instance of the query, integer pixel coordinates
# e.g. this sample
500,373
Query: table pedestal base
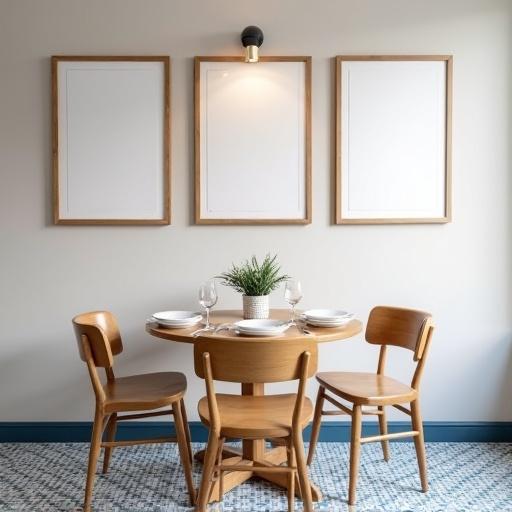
273,456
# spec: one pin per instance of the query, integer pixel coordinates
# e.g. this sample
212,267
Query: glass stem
293,314
207,326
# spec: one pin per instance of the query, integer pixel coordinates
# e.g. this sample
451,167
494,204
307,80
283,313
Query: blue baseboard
335,431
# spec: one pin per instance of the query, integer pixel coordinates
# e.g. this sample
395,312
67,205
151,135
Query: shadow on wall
51,387
507,390
59,393
504,403
507,379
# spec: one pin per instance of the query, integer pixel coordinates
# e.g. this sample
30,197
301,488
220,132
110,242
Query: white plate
191,321
336,321
177,319
168,325
272,326
320,323
263,334
261,327
177,316
326,315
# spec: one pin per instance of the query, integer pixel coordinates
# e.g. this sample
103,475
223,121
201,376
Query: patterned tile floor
464,477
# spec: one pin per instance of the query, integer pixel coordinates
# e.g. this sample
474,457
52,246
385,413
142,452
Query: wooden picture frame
394,169
111,140
255,169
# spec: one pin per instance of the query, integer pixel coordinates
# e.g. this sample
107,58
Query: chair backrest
407,328
102,333
258,361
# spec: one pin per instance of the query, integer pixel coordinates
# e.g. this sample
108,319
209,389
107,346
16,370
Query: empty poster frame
111,140
393,139
252,140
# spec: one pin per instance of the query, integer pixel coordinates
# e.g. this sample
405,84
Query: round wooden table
253,452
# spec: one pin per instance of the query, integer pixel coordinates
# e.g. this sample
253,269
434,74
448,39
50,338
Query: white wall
460,272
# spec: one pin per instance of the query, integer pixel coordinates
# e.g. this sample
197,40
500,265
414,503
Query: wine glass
208,298
292,295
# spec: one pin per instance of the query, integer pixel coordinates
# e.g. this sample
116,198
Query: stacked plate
177,319
261,327
327,317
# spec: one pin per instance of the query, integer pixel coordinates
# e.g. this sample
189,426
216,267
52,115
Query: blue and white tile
464,477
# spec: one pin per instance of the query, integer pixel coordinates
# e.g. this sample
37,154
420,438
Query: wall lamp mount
252,39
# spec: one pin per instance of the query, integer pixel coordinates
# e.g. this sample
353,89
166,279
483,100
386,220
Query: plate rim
282,324
180,326
330,317
266,334
195,314
339,323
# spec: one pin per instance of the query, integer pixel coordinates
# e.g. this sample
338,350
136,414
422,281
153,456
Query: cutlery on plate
199,331
222,327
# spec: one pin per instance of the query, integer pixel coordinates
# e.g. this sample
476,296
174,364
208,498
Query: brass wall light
252,39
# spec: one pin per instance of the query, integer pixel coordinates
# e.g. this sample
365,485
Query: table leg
278,456
232,479
253,449
227,453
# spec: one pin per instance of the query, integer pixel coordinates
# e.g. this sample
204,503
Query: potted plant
255,282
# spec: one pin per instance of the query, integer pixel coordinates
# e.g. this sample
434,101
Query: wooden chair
406,328
99,341
279,417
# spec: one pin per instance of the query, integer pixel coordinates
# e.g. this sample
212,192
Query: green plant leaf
253,278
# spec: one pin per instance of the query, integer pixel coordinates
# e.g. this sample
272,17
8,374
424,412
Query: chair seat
256,416
144,392
366,388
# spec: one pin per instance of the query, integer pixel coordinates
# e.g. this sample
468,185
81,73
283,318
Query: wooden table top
321,334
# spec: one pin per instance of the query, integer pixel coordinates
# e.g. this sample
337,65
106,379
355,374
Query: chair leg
419,444
184,452
218,474
302,470
208,466
111,435
317,419
221,473
187,430
355,448
94,452
383,427
291,476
